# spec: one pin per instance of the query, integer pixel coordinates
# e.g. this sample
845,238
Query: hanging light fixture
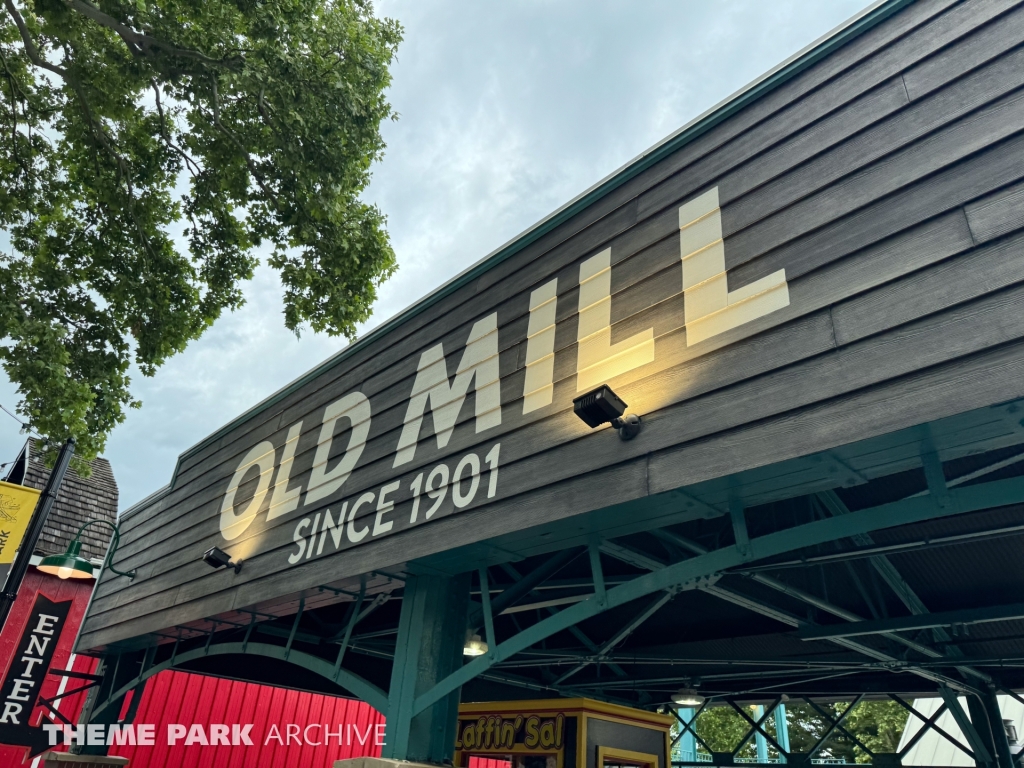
687,697
71,565
474,645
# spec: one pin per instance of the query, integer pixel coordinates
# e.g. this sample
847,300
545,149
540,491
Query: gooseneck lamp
71,565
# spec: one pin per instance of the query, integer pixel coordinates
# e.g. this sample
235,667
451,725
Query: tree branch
190,163
141,44
30,45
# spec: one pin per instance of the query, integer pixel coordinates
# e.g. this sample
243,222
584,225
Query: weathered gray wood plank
931,242
944,389
866,151
986,43
985,270
738,361
942,149
949,189
990,321
997,214
839,80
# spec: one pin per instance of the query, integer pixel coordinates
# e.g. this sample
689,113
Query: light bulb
65,573
474,647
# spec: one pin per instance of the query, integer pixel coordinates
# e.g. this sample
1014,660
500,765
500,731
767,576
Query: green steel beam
364,689
981,754
649,610
923,621
695,573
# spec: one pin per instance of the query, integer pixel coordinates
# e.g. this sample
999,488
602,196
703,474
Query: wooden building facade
818,285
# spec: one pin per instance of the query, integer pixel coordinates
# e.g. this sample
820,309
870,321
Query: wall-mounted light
687,697
71,565
603,406
215,557
474,646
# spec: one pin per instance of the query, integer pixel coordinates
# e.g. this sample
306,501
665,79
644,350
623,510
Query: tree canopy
147,149
876,724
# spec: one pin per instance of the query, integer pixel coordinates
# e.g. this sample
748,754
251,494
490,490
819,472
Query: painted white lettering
339,734
709,307
472,463
312,536
538,386
240,734
20,690
10,713
299,539
307,739
220,735
95,735
492,464
437,487
30,663
383,507
282,500
196,735
260,457
416,487
323,482
45,624
478,367
292,732
380,734
37,645
597,359
274,733
356,536
337,531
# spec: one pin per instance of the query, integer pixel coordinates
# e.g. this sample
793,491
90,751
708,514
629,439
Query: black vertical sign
24,679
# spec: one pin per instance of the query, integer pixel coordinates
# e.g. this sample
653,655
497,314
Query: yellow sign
16,506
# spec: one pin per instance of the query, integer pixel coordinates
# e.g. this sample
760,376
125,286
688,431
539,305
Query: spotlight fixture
71,565
215,557
687,697
603,406
474,646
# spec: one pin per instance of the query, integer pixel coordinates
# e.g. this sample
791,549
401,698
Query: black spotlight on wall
215,557
603,406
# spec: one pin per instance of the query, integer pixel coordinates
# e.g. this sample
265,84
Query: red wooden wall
58,590
179,697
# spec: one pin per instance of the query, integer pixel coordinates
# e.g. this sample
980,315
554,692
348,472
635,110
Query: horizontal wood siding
885,180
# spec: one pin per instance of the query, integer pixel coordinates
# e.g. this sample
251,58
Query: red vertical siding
488,762
179,697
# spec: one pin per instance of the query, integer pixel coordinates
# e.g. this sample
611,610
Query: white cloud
507,110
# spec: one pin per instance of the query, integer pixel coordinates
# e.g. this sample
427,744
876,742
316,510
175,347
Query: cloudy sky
507,110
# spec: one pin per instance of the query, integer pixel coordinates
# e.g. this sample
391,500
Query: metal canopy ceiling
758,628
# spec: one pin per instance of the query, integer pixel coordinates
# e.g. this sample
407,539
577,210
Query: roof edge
871,16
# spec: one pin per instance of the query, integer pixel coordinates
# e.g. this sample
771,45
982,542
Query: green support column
117,670
431,636
985,709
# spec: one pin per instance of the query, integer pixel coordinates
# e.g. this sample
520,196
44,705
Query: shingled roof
79,500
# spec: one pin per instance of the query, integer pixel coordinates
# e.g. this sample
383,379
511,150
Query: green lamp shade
70,565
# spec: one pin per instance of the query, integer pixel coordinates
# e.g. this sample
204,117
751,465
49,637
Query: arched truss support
705,568
364,689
